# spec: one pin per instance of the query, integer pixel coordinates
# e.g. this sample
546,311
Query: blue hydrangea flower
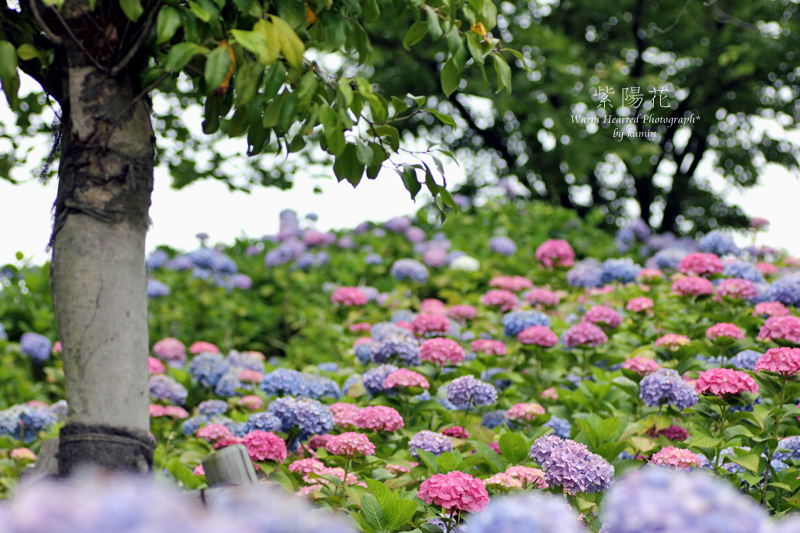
516,321
669,258
525,512
202,257
502,245
33,419
585,275
245,361
745,360
466,392
277,256
403,269
666,386
9,422
403,315
383,330
398,224
227,385
785,290
560,427
164,388
363,352
717,242
373,259
35,346
179,263
262,422
208,368
492,419
223,264
211,408
3,335
308,416
352,380
793,445
329,366
571,465
321,387
500,384
285,382
156,260
237,428
657,500
743,270
460,528
622,270
402,348
60,409
305,261
430,441
191,425
374,378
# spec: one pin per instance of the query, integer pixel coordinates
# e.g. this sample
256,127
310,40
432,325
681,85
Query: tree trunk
98,275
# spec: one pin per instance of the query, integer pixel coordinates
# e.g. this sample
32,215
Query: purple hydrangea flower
202,257
211,408
241,281
571,465
745,360
180,263
669,258
384,330
262,422
245,361
666,386
492,419
373,259
164,388
191,425
285,382
33,419
430,441
60,409
403,269
717,242
321,387
743,270
156,260
35,346
502,245
516,321
349,382
403,348
227,385
374,378
657,500
561,428
785,290
525,512
223,264
622,270
208,368
466,392
586,275
363,352
398,224
157,289
308,416
329,366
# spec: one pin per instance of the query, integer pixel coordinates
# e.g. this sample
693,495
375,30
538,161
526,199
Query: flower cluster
263,445
511,283
424,325
525,411
544,297
516,321
692,286
404,378
554,252
441,351
466,392
454,490
783,361
640,365
604,316
700,264
349,296
488,347
504,299
737,289
785,328
724,382
675,458
430,441
379,418
571,465
672,341
526,512
462,312
665,386
584,334
639,304
539,336
350,444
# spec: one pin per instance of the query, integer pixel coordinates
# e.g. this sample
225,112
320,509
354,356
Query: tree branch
89,56
131,53
44,27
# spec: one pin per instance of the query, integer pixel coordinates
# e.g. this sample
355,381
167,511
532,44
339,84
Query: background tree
726,66
97,62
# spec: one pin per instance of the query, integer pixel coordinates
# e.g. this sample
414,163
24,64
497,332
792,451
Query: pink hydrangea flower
639,304
503,480
462,312
156,410
345,414
199,470
308,490
400,469
251,376
724,329
692,286
349,296
511,283
214,432
170,349
758,223
530,477
263,445
737,289
404,324
318,441
430,324
780,327
22,454
650,274
672,341
555,252
57,347
432,306
405,378
768,269
539,336
549,394
455,490
495,446
784,361
154,366
640,365
699,264
201,347
175,412
379,418
36,403
505,300
543,297
457,432
360,326
435,257
306,466
361,340
350,444
313,237
771,309
224,443
676,458
672,433
338,472
251,402
525,411
584,334
441,351
603,315
488,347
724,382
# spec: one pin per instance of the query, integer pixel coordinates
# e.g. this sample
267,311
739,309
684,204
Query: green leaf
180,54
392,133
344,88
513,447
447,462
371,10
332,126
702,439
347,166
361,42
132,9
380,491
291,45
26,52
364,153
247,81
199,12
429,459
446,119
305,92
415,34
489,455
398,512
608,428
399,105
272,40
379,155
218,62
8,73
373,513
168,22
272,115
409,176
451,76
750,462
503,73
434,28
